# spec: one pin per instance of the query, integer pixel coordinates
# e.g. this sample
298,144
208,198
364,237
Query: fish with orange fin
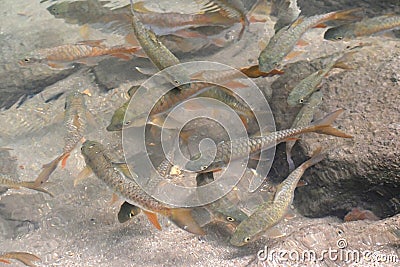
86,52
243,147
24,257
75,120
99,161
281,45
9,183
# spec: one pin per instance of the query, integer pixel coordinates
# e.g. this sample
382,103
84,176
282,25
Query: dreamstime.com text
340,253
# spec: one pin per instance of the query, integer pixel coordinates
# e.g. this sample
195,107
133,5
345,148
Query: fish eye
177,82
246,239
230,219
27,59
301,101
203,167
339,37
127,122
131,214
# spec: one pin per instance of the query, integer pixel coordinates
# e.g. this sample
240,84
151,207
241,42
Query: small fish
283,42
100,163
24,257
357,214
223,208
304,89
170,23
75,118
127,211
243,147
9,183
302,119
75,121
85,52
233,9
364,27
135,116
157,52
287,11
271,212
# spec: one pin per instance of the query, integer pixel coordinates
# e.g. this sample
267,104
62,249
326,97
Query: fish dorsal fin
141,7
93,43
208,6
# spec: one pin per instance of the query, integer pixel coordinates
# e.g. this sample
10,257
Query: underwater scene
200,133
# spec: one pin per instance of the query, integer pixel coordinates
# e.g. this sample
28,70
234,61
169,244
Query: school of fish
145,31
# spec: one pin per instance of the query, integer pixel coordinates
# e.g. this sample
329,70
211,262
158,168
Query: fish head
29,60
245,233
338,34
117,120
127,212
202,163
90,148
269,63
294,100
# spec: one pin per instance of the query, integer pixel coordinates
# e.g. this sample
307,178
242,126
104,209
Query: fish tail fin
323,126
317,156
345,15
33,186
183,219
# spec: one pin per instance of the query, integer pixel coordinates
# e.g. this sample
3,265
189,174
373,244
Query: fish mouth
113,128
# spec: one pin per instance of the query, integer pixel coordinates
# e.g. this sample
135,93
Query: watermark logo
341,253
173,101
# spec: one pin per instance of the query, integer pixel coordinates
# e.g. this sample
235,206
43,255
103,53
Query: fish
170,23
136,116
233,9
88,52
304,89
365,27
99,161
127,211
224,208
9,183
75,120
271,212
282,43
357,214
24,257
242,148
157,52
303,118
287,11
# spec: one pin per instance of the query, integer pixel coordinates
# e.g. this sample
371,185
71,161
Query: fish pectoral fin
302,42
122,56
64,160
293,55
59,65
274,233
256,181
146,71
114,198
301,183
298,21
235,84
153,219
123,167
184,220
91,62
131,39
83,174
290,214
